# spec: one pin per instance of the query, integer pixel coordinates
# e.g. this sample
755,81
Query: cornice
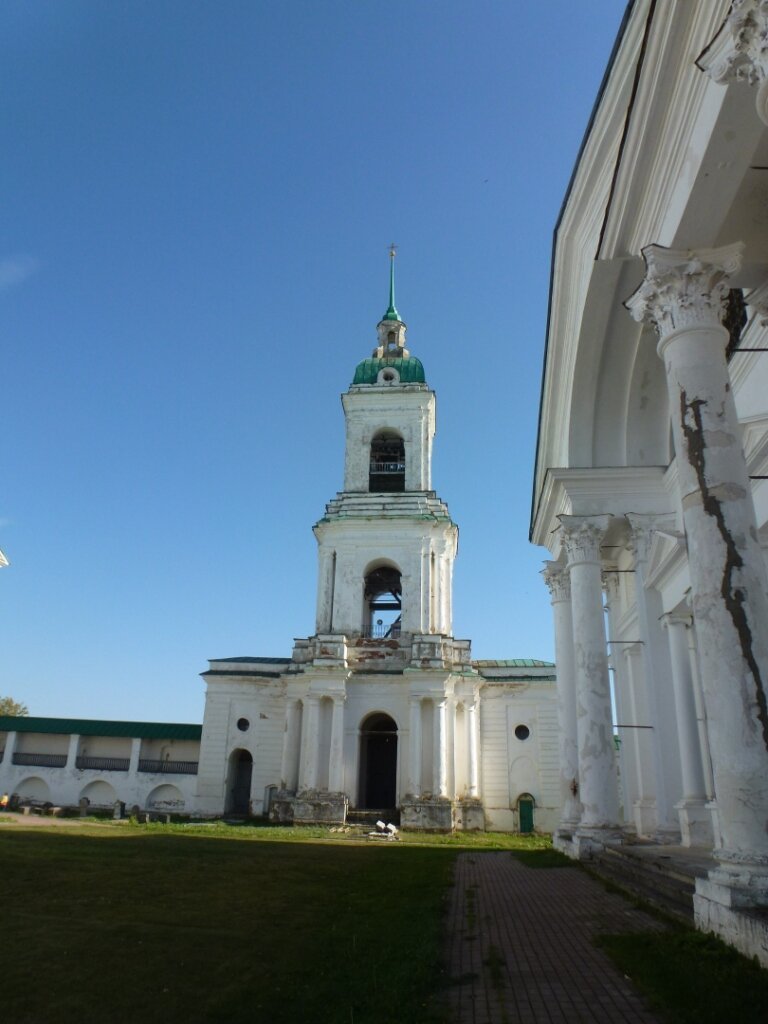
595,491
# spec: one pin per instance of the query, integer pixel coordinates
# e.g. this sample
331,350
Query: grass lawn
691,978
115,923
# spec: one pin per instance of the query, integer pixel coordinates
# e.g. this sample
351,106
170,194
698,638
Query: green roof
514,663
411,371
95,727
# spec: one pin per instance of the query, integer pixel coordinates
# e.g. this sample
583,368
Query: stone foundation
721,909
281,808
427,815
468,816
315,807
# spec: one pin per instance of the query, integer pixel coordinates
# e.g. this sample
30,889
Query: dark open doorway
239,782
378,762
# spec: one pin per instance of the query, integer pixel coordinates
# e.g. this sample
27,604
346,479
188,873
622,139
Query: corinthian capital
643,526
684,288
739,51
558,581
582,536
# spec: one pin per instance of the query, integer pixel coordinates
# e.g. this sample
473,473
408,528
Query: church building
383,707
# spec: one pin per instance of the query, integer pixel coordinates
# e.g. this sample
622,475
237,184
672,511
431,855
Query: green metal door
525,808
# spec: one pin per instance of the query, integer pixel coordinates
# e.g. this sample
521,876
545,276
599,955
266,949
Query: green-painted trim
96,727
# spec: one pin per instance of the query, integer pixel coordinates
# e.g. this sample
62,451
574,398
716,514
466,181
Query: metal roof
260,661
411,370
514,663
95,727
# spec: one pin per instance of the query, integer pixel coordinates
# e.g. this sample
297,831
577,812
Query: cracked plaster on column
683,296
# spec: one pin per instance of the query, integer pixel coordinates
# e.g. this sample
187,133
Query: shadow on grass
130,925
690,977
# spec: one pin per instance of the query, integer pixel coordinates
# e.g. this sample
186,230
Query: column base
427,814
645,817
733,903
318,807
468,815
589,840
281,807
695,823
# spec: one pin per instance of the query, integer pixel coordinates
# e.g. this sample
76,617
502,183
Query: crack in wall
733,597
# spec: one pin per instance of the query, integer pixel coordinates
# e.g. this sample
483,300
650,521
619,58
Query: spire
392,313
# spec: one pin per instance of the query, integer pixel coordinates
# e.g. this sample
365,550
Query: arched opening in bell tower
382,602
387,468
378,762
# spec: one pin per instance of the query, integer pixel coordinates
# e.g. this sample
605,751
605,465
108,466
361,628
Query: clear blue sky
198,199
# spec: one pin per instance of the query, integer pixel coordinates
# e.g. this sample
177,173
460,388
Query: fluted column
598,787
289,770
414,747
695,820
336,756
559,585
683,295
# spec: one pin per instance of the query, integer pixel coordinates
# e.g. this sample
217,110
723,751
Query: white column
289,771
10,749
414,747
701,714
695,820
133,764
621,692
439,752
598,787
336,759
644,812
471,715
74,744
559,584
683,295
663,743
309,742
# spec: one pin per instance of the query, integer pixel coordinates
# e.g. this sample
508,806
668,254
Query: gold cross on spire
392,250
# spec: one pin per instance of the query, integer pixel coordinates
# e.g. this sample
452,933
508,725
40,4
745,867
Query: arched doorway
378,762
525,805
239,782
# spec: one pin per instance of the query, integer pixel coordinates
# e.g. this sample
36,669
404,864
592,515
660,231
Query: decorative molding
582,536
684,289
643,527
676,619
739,51
558,582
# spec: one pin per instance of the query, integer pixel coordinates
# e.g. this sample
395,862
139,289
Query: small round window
388,376
522,732
243,724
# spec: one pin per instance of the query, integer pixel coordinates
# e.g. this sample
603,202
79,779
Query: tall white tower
387,542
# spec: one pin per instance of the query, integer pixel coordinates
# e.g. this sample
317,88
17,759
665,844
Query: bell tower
387,542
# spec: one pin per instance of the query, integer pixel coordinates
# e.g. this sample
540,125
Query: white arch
34,788
166,797
99,793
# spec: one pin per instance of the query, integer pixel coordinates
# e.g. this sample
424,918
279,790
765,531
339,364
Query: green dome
411,371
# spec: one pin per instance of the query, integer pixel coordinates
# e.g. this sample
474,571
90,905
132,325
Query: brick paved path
520,949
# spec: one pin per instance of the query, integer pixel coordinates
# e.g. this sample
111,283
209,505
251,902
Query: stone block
313,807
281,809
428,815
468,816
